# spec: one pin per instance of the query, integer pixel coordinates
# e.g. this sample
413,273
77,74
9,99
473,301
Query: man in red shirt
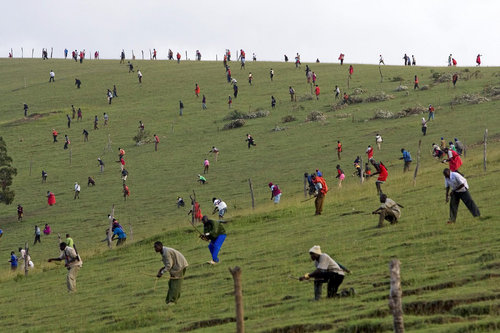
382,174
157,141
339,149
317,92
369,152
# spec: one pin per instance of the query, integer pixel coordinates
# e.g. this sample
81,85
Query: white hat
315,249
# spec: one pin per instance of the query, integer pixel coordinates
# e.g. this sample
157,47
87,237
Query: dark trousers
407,166
37,239
334,280
467,199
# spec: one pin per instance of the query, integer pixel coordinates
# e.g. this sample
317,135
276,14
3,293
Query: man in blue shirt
122,236
13,261
407,159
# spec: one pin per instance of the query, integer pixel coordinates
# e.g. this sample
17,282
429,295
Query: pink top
206,162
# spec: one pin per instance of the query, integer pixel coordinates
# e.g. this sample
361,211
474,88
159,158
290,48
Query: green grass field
449,272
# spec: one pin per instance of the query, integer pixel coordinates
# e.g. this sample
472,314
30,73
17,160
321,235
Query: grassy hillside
450,272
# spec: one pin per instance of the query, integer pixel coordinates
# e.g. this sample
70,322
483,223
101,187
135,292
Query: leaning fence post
418,163
484,152
305,188
251,192
111,226
395,294
26,261
238,296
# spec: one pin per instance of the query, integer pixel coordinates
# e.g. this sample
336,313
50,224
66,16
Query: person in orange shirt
339,149
416,83
126,192
54,134
351,70
321,190
316,92
197,90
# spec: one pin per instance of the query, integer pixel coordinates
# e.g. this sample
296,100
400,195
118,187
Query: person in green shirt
69,241
202,179
214,232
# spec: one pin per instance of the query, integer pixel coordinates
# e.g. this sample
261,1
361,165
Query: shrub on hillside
316,116
235,114
493,92
234,124
142,137
469,99
425,87
306,97
383,114
278,129
357,91
397,79
379,98
288,119
339,106
419,109
401,88
442,77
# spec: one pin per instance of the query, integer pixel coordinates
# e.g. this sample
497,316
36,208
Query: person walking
340,175
206,165
337,92
293,98
454,161
79,115
351,71
381,60
13,261
214,232
115,93
66,141
378,141
250,78
271,74
85,135
327,271
431,112
73,263
175,264
317,92
52,77
459,187
424,126
339,149
157,141
273,102
51,198
250,141
20,213
101,164
126,192
406,158
69,120
275,192
196,90
321,190
25,109
181,108
369,152
77,191
415,86
204,103
139,76
44,176
389,210
54,135
37,235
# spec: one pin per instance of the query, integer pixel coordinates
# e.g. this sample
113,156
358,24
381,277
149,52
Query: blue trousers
215,246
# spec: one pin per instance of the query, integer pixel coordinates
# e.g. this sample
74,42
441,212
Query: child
340,175
47,230
20,213
13,261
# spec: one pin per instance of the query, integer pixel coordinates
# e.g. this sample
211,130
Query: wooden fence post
131,233
305,187
381,76
362,170
70,156
111,226
26,261
32,53
484,153
395,294
418,163
251,192
22,53
238,296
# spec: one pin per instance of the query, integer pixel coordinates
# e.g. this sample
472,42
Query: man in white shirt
459,191
219,206
77,191
327,271
52,76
